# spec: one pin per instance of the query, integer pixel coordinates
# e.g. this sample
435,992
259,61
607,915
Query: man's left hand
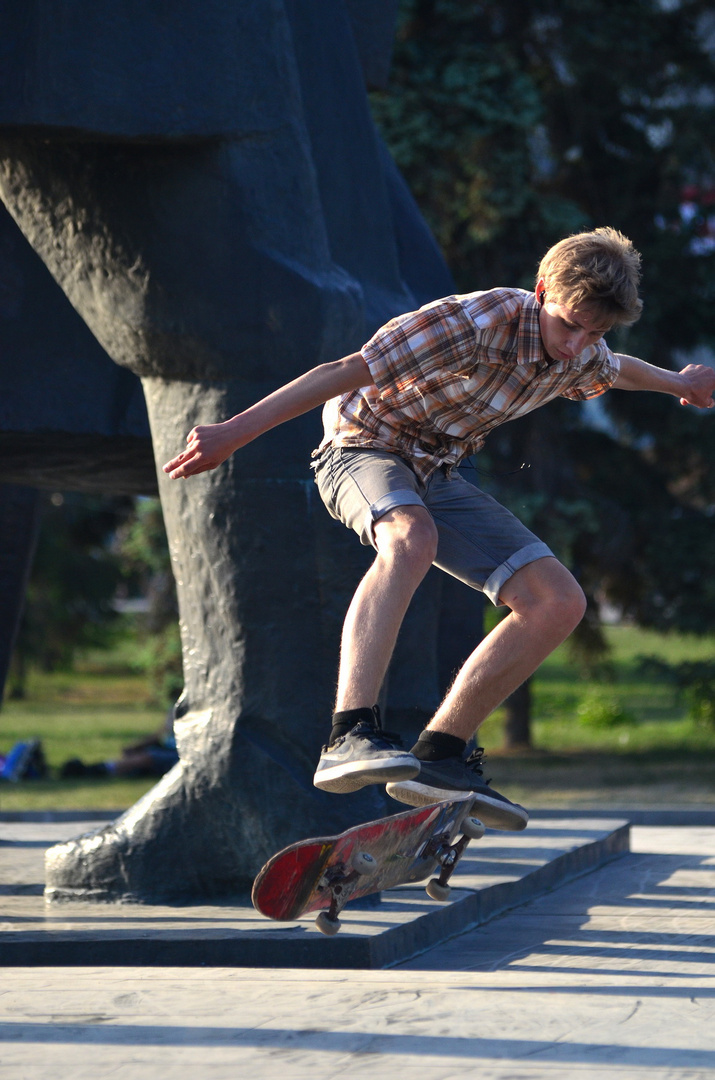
699,386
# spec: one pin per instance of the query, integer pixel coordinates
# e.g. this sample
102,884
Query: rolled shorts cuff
496,581
387,502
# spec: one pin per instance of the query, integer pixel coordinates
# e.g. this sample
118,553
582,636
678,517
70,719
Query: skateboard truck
448,855
439,849
335,879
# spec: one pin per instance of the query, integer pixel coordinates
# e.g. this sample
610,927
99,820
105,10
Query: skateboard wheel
436,891
326,925
472,828
364,863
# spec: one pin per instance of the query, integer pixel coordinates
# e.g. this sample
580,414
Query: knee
548,591
407,535
567,607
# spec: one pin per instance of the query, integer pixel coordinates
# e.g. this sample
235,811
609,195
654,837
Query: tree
70,596
93,550
143,552
516,125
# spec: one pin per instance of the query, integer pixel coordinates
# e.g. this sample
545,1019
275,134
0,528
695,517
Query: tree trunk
19,522
517,725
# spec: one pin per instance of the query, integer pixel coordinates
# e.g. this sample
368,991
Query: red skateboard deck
323,874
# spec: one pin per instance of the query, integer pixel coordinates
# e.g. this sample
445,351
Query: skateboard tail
284,885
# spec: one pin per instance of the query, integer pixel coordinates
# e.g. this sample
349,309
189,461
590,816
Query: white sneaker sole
341,781
495,814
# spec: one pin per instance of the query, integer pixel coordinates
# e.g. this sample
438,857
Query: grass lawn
90,713
654,755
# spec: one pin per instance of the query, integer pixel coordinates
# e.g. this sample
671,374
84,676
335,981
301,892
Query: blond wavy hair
598,269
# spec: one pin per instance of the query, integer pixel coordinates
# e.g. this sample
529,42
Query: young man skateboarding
401,414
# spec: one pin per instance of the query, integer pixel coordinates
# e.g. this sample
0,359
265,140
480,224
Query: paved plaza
609,975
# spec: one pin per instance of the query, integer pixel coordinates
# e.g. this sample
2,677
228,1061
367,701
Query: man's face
565,332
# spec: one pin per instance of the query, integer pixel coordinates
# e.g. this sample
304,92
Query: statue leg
253,561
182,277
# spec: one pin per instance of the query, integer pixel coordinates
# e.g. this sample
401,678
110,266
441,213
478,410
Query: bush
700,699
695,679
598,711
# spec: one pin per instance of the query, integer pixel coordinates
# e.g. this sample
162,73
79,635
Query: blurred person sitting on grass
152,756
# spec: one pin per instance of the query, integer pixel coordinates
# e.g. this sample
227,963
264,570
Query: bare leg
546,606
406,540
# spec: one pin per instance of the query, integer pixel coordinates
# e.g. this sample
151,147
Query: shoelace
475,762
373,731
378,731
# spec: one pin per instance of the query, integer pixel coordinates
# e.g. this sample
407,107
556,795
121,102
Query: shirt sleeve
598,374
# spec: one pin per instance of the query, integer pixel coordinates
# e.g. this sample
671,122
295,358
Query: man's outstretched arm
210,444
694,385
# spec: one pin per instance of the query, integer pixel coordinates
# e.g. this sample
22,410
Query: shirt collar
531,350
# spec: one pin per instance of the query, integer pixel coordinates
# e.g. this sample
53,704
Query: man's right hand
210,444
207,446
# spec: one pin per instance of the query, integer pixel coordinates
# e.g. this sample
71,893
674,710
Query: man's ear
541,290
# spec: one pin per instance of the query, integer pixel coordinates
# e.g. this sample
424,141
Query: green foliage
657,724
93,551
598,711
143,553
695,679
142,541
157,654
459,118
144,557
700,696
566,520
69,600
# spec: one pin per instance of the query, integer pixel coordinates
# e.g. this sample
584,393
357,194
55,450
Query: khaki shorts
480,541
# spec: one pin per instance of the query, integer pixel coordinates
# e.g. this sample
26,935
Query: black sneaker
366,755
454,778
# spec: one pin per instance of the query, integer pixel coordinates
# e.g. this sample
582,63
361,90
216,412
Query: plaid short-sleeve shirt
446,375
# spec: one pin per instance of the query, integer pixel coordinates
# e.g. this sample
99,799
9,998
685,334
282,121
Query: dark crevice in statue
205,184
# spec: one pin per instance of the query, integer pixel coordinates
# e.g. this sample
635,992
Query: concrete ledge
97,817
497,873
688,816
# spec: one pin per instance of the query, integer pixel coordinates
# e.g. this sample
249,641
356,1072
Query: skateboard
322,875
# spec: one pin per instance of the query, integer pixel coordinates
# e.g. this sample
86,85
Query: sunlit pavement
608,976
